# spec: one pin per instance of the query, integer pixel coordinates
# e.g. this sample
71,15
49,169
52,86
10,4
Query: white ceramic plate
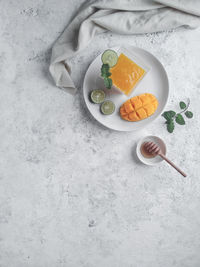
155,82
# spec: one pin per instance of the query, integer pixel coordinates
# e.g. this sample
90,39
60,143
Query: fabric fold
125,17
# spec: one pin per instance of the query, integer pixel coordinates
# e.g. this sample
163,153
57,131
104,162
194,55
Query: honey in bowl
145,153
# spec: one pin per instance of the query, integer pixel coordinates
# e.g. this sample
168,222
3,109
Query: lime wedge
107,107
109,57
97,96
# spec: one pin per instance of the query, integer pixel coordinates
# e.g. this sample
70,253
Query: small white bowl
155,160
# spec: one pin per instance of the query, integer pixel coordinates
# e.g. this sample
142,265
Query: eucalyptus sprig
171,116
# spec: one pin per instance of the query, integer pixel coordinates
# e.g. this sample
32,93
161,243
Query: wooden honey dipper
154,149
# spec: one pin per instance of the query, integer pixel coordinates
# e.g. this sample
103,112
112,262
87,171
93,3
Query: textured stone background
72,193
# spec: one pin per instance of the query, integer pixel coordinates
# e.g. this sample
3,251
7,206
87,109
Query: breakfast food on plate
97,96
123,71
107,107
139,107
125,74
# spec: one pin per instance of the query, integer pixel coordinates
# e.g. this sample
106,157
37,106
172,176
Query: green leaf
170,126
105,70
108,83
182,105
179,119
189,114
168,115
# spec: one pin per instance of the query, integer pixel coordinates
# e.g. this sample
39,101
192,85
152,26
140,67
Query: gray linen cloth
121,17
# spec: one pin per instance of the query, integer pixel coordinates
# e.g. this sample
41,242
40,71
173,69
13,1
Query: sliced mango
139,107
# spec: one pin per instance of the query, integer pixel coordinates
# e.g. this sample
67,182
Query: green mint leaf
189,114
168,115
105,70
108,83
179,119
182,105
170,126
105,73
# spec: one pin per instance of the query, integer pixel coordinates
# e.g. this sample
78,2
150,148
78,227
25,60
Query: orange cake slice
126,74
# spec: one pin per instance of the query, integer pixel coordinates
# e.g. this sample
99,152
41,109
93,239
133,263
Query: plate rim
147,123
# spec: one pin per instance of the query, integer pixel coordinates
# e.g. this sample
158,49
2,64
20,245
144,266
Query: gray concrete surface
73,193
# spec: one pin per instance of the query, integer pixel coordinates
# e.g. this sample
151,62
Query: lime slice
97,96
109,57
108,107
